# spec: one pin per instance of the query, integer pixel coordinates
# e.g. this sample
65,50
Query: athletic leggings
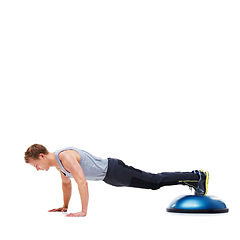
119,174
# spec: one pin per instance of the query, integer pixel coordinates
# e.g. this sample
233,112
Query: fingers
78,214
53,210
69,215
62,209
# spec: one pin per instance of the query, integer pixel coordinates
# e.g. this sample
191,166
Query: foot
201,187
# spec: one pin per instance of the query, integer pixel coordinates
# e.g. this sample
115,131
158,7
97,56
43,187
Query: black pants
119,174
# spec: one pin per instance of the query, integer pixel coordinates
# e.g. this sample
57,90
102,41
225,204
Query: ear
41,155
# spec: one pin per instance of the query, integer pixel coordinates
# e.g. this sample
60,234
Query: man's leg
119,174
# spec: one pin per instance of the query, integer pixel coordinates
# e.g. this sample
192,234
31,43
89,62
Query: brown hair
33,152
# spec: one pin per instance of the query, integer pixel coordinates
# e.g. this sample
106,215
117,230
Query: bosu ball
197,204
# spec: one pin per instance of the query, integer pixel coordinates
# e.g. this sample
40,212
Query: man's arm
71,164
67,191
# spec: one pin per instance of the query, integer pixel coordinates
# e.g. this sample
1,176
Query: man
74,163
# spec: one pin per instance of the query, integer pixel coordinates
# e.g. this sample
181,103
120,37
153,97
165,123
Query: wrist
84,211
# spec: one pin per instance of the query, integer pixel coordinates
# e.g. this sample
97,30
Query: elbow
82,183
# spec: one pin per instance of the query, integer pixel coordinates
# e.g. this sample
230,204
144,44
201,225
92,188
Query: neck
52,160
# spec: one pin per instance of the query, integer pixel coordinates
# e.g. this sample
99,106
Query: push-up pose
82,166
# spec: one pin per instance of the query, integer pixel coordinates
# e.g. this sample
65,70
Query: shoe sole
206,182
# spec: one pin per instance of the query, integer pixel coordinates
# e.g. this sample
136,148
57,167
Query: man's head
36,156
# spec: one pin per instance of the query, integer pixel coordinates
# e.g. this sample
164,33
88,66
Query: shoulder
70,163
66,155
68,158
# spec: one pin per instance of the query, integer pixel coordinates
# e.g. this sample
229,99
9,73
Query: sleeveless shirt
94,168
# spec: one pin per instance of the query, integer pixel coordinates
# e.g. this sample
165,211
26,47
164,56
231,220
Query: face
40,163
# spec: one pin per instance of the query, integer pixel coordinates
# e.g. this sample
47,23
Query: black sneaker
200,186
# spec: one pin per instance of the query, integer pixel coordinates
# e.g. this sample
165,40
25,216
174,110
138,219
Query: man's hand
61,209
77,214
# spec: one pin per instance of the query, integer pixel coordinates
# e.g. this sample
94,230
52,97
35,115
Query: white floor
113,212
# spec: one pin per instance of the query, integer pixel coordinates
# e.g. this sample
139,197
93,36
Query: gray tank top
94,168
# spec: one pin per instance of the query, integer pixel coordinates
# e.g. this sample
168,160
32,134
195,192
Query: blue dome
197,204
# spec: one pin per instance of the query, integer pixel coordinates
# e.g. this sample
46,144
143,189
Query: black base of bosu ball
197,204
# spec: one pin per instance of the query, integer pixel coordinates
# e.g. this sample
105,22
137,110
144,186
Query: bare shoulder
65,155
69,155
69,160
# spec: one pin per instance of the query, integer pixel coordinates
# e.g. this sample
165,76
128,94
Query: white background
154,83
